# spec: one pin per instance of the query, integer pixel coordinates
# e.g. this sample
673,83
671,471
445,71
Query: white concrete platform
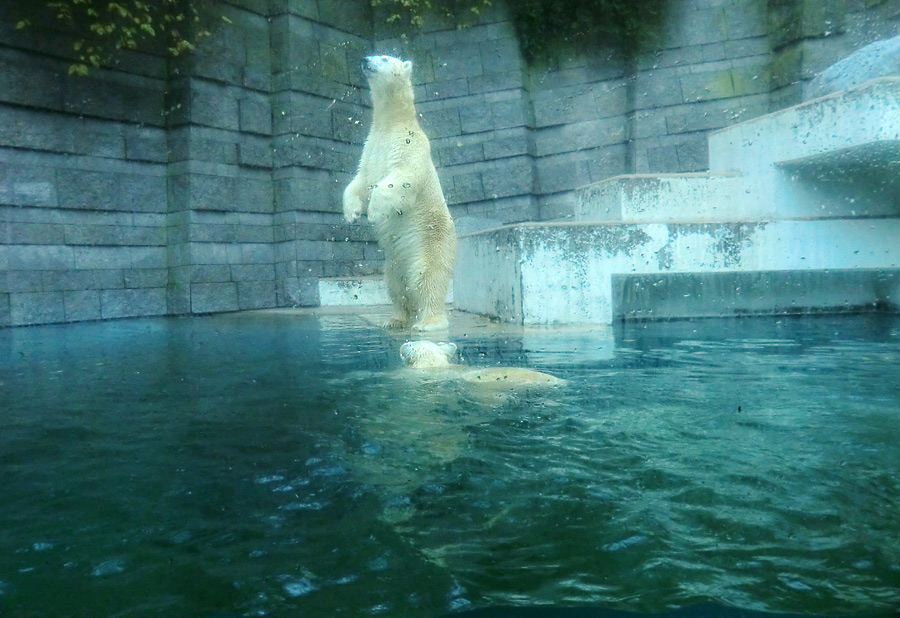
596,273
663,197
358,292
788,159
799,213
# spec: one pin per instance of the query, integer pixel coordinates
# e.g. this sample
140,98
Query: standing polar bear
398,187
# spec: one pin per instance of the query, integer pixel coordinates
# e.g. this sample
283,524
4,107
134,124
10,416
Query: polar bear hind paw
396,323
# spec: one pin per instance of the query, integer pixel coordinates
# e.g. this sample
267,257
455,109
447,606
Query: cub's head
387,75
427,354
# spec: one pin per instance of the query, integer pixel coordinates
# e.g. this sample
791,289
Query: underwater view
287,464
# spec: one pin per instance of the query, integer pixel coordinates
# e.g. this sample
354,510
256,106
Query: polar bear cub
430,355
398,188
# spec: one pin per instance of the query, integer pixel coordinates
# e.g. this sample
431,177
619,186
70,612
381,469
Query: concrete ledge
793,161
659,198
358,292
564,273
353,292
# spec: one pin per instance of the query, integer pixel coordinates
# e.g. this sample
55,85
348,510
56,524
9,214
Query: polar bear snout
370,64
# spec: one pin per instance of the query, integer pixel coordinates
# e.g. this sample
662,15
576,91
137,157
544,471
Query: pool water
284,464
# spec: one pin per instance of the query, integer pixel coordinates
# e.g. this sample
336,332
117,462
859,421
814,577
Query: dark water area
276,464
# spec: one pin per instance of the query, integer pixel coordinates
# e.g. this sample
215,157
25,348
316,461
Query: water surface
284,464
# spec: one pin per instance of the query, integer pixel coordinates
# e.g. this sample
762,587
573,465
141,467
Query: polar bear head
427,354
388,77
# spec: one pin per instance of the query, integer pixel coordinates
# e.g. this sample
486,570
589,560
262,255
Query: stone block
149,257
256,294
114,235
695,26
438,123
40,257
255,113
475,117
457,151
101,258
507,143
257,253
589,102
707,85
212,192
509,177
496,82
579,136
27,186
146,144
304,189
464,187
658,88
87,190
456,62
253,272
22,83
254,195
127,303
23,281
146,277
561,173
509,113
5,318
298,292
746,19
36,308
214,105
73,280
35,233
209,253
81,305
210,273
350,122
214,297
303,114
255,151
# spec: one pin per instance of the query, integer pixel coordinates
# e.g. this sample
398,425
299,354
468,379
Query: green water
284,465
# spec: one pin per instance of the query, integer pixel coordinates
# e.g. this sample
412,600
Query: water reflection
270,464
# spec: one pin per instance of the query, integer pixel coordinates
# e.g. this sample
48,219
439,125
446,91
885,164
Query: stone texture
213,182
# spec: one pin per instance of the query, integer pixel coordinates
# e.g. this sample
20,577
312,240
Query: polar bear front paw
352,212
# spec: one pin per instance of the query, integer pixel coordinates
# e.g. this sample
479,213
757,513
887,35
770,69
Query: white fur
398,188
430,355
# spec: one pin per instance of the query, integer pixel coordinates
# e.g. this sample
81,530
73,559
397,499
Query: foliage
547,27
414,12
102,27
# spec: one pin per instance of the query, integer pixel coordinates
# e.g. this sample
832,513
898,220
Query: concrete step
832,156
358,292
353,291
570,273
660,198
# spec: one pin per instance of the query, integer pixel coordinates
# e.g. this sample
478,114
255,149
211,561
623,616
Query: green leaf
24,23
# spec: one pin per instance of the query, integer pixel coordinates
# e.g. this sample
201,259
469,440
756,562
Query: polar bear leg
398,291
431,313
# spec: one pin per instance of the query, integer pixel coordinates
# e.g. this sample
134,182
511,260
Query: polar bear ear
407,67
448,348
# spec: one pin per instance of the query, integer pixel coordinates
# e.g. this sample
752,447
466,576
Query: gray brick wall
213,183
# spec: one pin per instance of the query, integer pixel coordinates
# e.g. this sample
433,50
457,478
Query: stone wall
82,184
213,183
